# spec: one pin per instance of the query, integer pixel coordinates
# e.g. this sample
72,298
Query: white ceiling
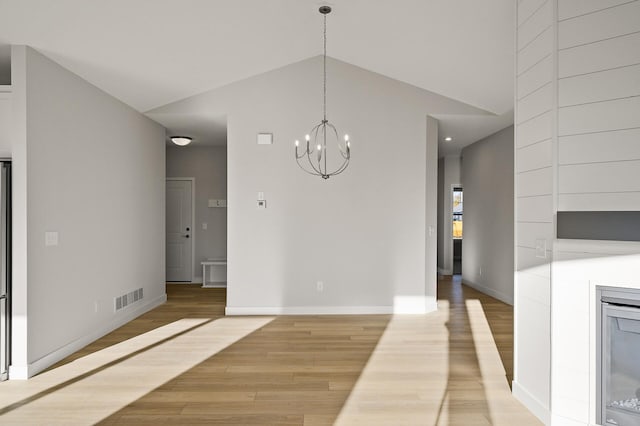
152,52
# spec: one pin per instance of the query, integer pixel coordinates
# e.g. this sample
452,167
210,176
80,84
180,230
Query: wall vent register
127,299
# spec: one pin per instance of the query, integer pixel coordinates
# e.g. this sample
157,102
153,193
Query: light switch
221,203
212,203
50,238
204,226
541,248
262,204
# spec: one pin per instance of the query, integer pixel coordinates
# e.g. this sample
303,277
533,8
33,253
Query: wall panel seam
532,144
534,117
625,160
600,192
520,197
535,170
600,101
599,71
532,14
564,49
595,11
536,63
598,131
533,39
534,91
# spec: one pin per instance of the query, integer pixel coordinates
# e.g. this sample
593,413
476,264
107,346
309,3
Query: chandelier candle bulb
297,143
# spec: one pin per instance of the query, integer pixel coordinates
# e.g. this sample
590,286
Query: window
457,213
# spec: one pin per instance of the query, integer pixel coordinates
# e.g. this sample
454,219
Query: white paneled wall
599,99
534,197
577,148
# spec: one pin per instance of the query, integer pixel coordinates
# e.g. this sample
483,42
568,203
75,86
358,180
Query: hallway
184,363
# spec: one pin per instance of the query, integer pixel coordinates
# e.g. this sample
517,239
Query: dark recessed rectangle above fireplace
599,225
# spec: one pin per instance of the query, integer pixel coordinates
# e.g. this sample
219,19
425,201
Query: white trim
22,372
531,403
443,271
193,221
429,306
308,310
215,284
489,291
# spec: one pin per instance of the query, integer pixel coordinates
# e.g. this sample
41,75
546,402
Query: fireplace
619,357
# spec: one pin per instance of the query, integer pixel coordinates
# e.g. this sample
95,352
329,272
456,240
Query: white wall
208,165
362,233
534,201
5,121
440,207
487,177
577,112
451,176
92,169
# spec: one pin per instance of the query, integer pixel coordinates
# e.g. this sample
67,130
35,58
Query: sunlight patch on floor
405,380
505,410
92,398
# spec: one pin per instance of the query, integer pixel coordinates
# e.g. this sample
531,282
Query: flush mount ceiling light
448,139
181,140
315,151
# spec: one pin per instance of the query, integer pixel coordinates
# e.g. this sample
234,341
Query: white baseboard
25,372
426,306
308,310
215,285
491,292
443,271
531,403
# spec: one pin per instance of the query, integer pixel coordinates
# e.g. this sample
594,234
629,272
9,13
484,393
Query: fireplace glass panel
621,366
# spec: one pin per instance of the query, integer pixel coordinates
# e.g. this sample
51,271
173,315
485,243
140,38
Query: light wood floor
183,363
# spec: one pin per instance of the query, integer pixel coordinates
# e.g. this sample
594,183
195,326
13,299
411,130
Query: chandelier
315,150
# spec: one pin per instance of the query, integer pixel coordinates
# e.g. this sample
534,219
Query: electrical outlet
320,286
480,271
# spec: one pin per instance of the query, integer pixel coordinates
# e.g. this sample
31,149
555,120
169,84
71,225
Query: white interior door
179,230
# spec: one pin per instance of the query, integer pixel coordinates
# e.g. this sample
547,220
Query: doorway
456,227
5,269
179,228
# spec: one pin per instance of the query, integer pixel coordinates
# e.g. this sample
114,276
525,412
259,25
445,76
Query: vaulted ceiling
149,53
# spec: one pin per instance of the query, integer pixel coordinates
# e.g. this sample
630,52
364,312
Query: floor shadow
464,390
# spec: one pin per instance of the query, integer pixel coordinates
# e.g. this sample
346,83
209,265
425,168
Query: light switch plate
541,248
212,203
265,138
260,195
204,226
50,238
262,204
222,203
